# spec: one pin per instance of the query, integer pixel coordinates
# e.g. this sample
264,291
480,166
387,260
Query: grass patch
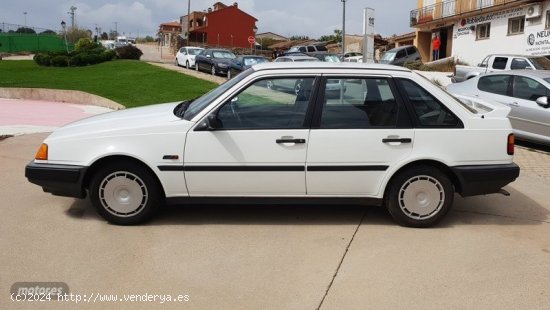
129,82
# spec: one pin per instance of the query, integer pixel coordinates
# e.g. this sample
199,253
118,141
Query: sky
312,18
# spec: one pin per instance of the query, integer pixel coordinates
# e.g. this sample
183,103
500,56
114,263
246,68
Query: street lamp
64,26
25,13
343,27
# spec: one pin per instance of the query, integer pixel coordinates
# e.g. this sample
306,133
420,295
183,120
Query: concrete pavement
491,252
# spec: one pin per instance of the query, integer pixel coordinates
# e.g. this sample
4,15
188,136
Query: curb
59,95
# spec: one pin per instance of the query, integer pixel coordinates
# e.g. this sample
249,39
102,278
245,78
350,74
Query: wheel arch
101,162
426,162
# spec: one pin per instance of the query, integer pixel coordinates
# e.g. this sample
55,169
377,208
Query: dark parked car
242,63
215,61
400,55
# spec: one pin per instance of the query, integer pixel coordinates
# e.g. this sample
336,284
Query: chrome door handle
290,140
401,140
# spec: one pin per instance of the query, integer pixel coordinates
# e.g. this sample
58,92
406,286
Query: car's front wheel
187,65
213,70
420,196
197,67
176,63
125,193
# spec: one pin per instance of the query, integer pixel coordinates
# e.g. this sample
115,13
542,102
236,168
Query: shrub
417,65
85,44
60,61
108,55
42,59
128,52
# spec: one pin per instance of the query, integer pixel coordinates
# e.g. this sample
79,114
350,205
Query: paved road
30,116
491,252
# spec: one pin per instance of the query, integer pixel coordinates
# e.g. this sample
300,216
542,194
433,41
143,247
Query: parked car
327,57
352,54
242,63
215,61
400,55
306,49
186,56
353,59
500,62
395,139
295,58
526,92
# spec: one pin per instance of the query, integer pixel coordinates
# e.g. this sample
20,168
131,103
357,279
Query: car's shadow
494,209
534,146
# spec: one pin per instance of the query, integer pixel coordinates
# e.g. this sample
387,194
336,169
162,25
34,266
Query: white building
470,30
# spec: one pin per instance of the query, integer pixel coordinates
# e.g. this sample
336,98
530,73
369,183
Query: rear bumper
484,179
60,180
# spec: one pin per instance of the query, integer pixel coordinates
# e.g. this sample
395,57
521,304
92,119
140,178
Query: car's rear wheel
213,70
420,196
176,63
125,193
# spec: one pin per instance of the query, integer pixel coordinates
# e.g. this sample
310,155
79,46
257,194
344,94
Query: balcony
450,8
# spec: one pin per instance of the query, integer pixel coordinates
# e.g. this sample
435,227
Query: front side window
411,50
496,84
516,25
311,49
358,103
483,31
400,54
500,63
269,104
528,89
429,111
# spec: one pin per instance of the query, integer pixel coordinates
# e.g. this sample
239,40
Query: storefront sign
492,16
538,43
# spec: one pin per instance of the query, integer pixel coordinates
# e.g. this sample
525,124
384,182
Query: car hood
144,120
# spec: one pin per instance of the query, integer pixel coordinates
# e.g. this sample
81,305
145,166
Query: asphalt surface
491,252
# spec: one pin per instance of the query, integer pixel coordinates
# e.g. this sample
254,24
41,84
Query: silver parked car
525,91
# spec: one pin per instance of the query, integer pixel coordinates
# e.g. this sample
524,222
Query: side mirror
208,56
210,123
543,102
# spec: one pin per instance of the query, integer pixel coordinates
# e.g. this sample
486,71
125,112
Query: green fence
19,42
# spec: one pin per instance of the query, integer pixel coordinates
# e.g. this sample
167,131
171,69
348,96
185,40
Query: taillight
510,144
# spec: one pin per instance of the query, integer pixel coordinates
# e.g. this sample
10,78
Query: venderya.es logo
531,39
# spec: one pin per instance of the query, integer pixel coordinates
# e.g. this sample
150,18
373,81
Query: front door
356,137
526,115
256,145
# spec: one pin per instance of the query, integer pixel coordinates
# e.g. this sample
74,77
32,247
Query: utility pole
72,14
188,27
25,13
343,27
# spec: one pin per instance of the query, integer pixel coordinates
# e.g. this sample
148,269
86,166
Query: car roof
298,57
327,66
401,47
513,55
194,47
542,74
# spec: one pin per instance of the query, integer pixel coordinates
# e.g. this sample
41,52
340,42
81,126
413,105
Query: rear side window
496,84
321,48
500,63
428,111
411,50
519,63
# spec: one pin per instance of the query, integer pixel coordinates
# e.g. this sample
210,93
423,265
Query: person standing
436,44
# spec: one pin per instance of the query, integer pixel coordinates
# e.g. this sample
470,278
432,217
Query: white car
186,56
393,139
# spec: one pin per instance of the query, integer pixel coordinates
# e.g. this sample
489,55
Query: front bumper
484,179
60,180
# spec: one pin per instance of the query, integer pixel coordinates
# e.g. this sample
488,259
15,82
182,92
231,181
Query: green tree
74,34
25,30
104,36
48,32
294,38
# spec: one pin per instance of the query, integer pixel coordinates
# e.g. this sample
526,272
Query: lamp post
343,27
25,14
64,26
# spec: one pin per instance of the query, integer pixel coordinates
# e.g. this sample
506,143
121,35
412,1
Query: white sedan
186,56
393,139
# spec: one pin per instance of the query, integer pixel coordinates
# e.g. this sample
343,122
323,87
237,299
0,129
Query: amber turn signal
42,153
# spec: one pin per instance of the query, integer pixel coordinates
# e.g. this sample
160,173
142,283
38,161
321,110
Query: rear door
358,132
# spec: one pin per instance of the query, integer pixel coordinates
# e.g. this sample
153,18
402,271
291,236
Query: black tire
213,70
419,196
229,74
125,193
177,63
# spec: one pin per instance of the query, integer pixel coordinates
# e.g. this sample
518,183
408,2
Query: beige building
470,21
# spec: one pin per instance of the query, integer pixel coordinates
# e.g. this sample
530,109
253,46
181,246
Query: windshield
223,55
388,56
202,102
540,63
306,59
250,61
194,51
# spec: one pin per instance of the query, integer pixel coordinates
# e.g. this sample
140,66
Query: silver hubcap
213,71
123,194
421,197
